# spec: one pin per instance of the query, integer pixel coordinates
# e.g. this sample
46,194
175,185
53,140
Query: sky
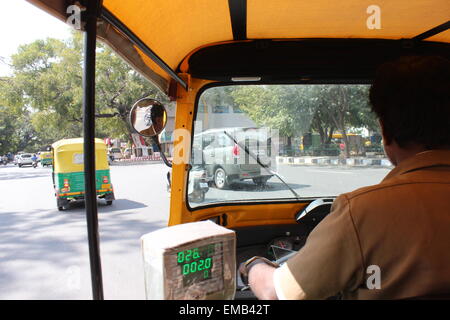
21,23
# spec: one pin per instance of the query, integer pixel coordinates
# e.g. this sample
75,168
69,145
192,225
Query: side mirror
148,117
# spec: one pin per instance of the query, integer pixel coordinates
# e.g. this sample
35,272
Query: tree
15,132
281,107
340,107
296,110
46,86
118,87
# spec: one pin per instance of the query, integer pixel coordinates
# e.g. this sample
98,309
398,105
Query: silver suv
25,159
230,155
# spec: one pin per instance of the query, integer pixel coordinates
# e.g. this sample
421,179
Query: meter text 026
196,263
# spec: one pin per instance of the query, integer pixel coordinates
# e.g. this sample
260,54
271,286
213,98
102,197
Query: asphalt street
305,181
44,252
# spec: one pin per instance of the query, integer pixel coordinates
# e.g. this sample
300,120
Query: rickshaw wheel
109,202
61,204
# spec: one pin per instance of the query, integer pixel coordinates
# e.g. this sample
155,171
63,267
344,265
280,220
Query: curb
137,160
360,162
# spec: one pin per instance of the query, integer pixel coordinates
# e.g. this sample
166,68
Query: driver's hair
411,97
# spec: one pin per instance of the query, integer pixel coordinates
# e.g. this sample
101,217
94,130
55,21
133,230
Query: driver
155,120
390,240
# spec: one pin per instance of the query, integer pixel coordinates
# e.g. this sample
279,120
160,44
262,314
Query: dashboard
276,241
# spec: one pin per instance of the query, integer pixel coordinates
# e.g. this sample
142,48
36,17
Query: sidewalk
305,161
330,161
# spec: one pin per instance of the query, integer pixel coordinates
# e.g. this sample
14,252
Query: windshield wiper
261,164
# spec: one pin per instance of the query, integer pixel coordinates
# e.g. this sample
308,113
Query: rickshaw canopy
68,155
173,31
45,155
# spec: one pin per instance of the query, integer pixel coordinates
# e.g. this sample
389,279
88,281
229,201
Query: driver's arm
267,282
330,262
260,280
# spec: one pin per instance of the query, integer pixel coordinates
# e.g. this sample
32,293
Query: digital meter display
196,263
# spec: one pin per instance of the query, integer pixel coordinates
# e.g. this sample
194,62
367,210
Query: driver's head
157,113
411,97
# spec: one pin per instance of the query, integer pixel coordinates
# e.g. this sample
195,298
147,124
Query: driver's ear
386,140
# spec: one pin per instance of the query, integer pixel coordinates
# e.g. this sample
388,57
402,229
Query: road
44,252
305,181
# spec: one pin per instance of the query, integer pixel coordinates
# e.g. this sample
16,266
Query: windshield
283,142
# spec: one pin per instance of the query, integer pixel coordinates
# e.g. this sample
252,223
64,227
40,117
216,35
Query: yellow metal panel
174,28
344,19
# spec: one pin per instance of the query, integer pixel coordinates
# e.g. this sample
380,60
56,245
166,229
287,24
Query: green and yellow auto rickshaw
46,158
68,172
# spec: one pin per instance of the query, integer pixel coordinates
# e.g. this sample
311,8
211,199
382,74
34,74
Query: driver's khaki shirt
387,241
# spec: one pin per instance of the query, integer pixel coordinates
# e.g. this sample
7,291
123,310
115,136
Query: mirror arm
163,156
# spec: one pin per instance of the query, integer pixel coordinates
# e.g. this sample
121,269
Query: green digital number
188,255
196,254
207,263
186,269
180,257
193,267
200,265
196,263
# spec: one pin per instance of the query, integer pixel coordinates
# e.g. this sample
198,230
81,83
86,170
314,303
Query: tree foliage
43,97
296,110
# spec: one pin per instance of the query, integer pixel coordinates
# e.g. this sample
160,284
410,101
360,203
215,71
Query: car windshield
283,142
26,156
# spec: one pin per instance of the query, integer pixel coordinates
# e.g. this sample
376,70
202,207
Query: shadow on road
118,204
43,244
26,174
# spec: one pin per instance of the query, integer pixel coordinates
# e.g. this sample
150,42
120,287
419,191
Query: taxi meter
190,261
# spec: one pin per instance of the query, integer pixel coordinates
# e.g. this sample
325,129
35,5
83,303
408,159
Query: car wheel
109,202
220,178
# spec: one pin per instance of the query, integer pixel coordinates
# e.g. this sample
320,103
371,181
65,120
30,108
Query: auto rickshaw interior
206,54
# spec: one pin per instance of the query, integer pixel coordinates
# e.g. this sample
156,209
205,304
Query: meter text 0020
196,263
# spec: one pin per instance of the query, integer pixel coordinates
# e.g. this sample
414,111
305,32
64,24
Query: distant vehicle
115,153
68,172
127,153
46,158
25,160
225,159
16,159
